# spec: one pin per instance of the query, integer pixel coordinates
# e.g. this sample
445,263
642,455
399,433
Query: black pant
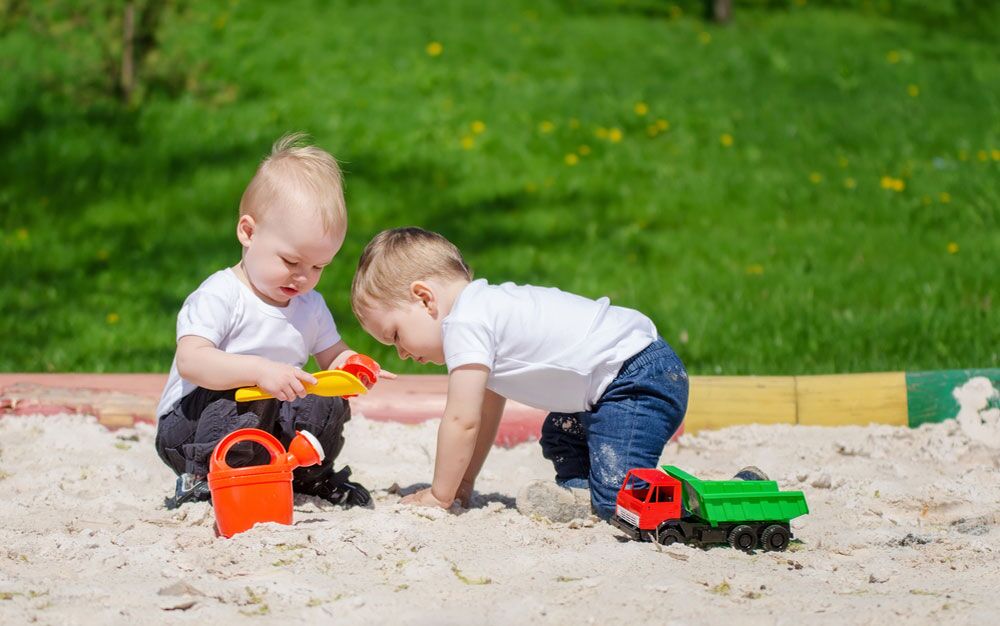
189,432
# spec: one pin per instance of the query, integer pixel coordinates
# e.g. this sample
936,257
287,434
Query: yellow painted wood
117,420
838,400
720,401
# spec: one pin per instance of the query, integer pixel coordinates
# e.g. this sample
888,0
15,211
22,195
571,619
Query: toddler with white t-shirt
257,323
615,391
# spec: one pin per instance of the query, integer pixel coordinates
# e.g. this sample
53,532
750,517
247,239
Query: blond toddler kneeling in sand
615,391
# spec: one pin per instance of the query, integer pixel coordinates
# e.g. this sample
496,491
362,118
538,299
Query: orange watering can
244,496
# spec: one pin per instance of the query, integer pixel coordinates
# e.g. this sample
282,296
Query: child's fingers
386,374
305,376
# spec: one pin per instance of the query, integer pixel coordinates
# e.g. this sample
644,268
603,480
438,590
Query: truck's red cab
647,498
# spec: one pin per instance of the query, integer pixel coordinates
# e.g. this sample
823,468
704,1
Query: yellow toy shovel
328,383
358,374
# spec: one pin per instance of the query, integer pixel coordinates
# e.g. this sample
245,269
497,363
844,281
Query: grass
821,195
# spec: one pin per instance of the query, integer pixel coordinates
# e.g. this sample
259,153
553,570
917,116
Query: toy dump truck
668,505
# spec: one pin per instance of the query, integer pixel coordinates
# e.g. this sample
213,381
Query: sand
904,526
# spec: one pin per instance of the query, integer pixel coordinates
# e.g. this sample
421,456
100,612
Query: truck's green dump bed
728,501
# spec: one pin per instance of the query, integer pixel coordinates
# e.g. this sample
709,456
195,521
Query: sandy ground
904,525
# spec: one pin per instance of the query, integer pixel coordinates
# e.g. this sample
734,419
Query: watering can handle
272,445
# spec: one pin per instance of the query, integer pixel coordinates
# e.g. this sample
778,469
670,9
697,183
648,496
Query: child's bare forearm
459,430
456,443
206,366
493,405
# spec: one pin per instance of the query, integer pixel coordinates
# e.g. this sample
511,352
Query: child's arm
493,405
457,435
201,363
334,357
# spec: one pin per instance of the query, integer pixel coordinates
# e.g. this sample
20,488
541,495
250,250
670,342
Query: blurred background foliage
810,187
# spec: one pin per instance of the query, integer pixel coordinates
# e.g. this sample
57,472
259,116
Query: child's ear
422,292
245,229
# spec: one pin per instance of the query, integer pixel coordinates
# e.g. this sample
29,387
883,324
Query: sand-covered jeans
628,427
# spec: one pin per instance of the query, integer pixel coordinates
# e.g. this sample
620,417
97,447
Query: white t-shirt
545,348
225,311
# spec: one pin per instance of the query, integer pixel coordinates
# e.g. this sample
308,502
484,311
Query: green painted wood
929,394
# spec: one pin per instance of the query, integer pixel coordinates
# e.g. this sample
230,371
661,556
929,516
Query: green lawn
804,191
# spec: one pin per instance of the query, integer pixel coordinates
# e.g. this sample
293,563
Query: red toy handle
270,443
364,368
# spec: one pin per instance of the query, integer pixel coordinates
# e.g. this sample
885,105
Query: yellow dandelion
952,247
434,48
982,155
893,57
800,3
546,127
583,150
995,154
850,183
468,142
22,234
478,127
601,132
574,123
842,161
913,90
112,318
704,38
755,269
102,255
663,124
675,11
571,159
530,188
726,139
614,135
898,185
944,197
815,178
641,108
652,130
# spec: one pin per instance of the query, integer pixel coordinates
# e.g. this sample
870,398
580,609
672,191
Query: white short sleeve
207,315
466,343
326,330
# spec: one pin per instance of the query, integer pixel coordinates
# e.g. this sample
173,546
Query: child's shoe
544,498
335,488
751,472
189,488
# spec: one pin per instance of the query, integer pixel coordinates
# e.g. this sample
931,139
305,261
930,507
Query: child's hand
283,381
424,497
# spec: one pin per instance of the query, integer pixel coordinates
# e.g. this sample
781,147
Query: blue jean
628,427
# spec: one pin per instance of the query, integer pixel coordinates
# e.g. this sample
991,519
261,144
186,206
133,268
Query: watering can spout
304,450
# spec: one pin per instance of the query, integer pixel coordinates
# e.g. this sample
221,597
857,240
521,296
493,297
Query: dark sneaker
189,488
751,472
335,488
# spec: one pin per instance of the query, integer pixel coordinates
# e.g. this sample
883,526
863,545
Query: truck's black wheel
670,536
743,538
775,537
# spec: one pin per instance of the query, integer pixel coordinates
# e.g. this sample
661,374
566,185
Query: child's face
413,328
284,256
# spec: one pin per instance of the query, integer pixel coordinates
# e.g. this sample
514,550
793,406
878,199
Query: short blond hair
297,175
394,259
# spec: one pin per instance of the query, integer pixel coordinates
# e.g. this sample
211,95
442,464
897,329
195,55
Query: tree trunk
127,79
720,11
